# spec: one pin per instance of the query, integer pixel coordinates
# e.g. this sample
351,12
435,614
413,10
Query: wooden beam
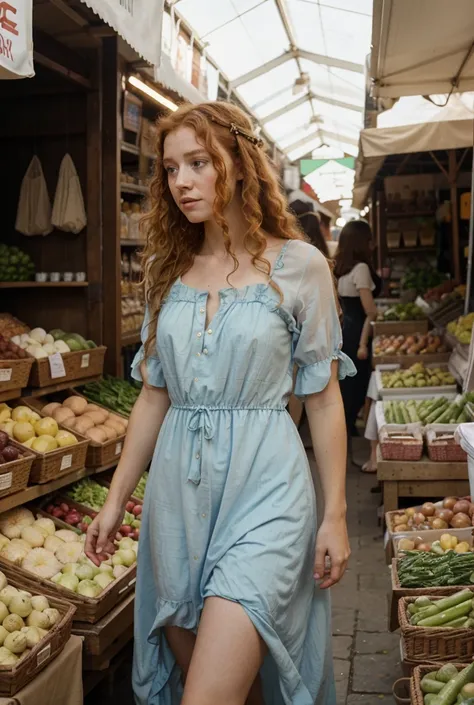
62,70
111,274
438,163
403,163
452,177
69,12
58,58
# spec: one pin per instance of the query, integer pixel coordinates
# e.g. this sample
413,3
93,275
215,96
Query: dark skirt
354,389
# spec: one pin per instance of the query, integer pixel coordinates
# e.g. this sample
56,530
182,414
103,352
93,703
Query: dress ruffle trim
312,379
154,368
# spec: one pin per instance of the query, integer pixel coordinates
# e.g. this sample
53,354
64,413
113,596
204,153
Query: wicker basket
48,466
14,476
400,443
423,644
417,696
98,454
77,365
17,677
410,238
394,239
14,374
442,448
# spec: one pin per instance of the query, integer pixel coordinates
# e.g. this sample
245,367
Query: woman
357,286
309,222
231,597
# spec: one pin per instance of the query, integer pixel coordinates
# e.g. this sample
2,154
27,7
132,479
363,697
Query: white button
196,379
209,332
205,351
204,515
202,310
198,354
199,334
198,455
196,558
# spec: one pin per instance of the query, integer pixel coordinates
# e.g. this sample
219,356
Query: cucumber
437,413
452,689
442,618
431,686
398,414
406,415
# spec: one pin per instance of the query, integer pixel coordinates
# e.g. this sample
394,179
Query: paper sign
118,448
85,360
66,462
6,481
43,655
6,374
56,365
16,39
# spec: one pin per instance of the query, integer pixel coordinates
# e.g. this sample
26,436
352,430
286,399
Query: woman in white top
357,286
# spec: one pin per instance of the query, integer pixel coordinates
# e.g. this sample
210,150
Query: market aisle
366,655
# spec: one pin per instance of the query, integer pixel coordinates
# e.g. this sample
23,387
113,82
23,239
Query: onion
449,502
463,507
444,514
419,518
428,509
400,519
400,527
439,524
424,547
460,521
410,512
418,540
406,545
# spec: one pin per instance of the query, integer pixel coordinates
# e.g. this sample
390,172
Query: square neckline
239,290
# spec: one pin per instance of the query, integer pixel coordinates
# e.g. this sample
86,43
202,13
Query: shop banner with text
16,39
139,22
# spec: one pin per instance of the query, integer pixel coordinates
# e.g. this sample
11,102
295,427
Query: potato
116,425
61,415
98,417
120,419
109,431
82,424
77,404
96,435
92,407
50,408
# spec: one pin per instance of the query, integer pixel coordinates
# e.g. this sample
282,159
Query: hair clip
238,132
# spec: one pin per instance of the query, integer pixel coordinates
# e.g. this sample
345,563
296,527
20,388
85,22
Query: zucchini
406,416
435,415
398,414
453,600
452,689
459,622
438,620
429,685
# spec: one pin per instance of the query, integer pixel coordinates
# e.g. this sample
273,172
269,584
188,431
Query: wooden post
452,175
94,206
111,204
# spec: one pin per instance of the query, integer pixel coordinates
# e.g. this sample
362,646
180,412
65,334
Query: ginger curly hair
172,241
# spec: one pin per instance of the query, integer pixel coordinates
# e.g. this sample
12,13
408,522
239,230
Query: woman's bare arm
370,309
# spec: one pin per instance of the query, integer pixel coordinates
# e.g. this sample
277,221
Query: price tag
43,655
85,360
6,481
56,365
6,374
66,462
118,448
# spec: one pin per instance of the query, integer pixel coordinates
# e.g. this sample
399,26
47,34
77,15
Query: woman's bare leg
227,658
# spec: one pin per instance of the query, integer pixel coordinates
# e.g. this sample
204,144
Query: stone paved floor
366,655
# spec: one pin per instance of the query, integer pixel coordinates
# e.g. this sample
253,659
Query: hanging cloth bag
69,213
34,207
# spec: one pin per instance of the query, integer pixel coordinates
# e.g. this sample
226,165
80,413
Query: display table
424,479
59,684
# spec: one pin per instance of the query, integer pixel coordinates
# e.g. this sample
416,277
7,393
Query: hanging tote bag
34,207
69,213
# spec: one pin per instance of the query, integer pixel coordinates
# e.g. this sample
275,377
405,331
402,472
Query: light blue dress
229,508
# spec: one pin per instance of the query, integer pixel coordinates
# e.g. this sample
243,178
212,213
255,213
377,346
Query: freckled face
192,176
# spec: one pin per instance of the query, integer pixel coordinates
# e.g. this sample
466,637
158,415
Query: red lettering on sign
6,47
6,22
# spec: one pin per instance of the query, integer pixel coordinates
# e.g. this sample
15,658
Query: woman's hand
332,542
363,352
101,533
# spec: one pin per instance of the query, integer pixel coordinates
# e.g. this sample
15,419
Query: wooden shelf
42,285
133,243
409,250
35,491
129,148
134,188
397,216
42,391
131,338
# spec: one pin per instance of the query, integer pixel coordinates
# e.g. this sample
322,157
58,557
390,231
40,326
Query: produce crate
442,447
14,476
434,644
48,466
100,636
417,696
410,392
98,454
382,421
77,365
408,665
13,679
14,374
400,327
435,359
401,443
430,535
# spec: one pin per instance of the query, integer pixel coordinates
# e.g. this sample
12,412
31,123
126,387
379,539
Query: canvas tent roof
450,127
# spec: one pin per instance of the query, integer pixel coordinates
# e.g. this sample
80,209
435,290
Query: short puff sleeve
362,277
318,338
155,376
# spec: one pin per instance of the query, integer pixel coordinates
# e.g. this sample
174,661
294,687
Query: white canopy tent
422,47
412,125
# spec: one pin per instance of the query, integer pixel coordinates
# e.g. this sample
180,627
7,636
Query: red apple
137,510
64,507
126,530
136,534
83,528
57,512
50,508
129,506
